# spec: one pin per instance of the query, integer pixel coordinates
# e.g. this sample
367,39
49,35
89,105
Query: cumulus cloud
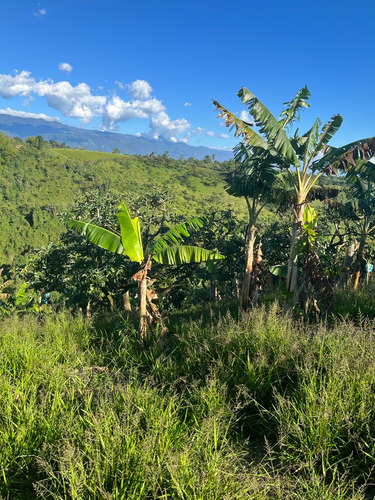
117,110
140,89
161,125
224,136
66,67
40,13
210,133
80,102
187,104
20,84
77,102
25,114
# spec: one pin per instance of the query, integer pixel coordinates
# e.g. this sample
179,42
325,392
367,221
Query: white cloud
118,110
187,104
210,133
140,89
120,84
40,13
224,136
66,67
21,84
24,114
77,102
162,126
245,116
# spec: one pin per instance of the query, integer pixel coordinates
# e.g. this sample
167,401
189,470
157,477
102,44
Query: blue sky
153,68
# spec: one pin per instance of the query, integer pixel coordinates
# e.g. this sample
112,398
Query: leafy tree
85,276
167,250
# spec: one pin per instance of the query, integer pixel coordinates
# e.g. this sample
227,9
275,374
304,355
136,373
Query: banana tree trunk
348,259
358,262
249,263
143,300
256,284
292,275
143,306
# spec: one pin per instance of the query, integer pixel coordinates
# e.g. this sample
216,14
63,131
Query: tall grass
257,408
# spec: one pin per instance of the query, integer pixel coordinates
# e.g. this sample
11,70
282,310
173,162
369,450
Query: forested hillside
38,182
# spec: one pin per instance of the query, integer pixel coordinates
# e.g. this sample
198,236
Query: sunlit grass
256,408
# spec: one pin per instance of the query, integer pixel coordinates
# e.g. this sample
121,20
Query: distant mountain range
97,140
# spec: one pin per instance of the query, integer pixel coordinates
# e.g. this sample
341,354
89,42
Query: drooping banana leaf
342,158
185,255
130,234
328,131
269,126
177,234
98,235
244,129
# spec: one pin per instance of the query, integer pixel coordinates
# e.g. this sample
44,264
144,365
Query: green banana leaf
98,235
177,234
185,255
130,234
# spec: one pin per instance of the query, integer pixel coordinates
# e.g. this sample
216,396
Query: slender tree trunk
214,294
348,259
143,306
143,300
249,262
126,299
292,275
88,310
256,284
111,302
357,271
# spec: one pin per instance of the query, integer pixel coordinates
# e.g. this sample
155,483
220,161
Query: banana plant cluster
298,161
167,249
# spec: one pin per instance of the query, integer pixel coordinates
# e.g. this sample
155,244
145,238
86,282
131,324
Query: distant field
36,185
194,187
80,154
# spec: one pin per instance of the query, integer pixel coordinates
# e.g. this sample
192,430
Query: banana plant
305,157
167,250
360,178
253,179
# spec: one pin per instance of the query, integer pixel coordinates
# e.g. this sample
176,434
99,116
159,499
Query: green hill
38,182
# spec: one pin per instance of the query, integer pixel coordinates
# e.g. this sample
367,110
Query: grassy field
257,408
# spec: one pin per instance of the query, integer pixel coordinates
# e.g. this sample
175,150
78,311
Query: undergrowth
258,407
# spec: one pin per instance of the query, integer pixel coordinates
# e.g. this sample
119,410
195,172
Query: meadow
257,407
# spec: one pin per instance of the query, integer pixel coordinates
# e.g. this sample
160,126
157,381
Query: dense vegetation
259,408
252,373
38,181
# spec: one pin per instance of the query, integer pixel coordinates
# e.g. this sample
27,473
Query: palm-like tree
166,250
360,176
254,178
304,158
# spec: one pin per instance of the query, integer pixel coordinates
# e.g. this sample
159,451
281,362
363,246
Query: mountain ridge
104,141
